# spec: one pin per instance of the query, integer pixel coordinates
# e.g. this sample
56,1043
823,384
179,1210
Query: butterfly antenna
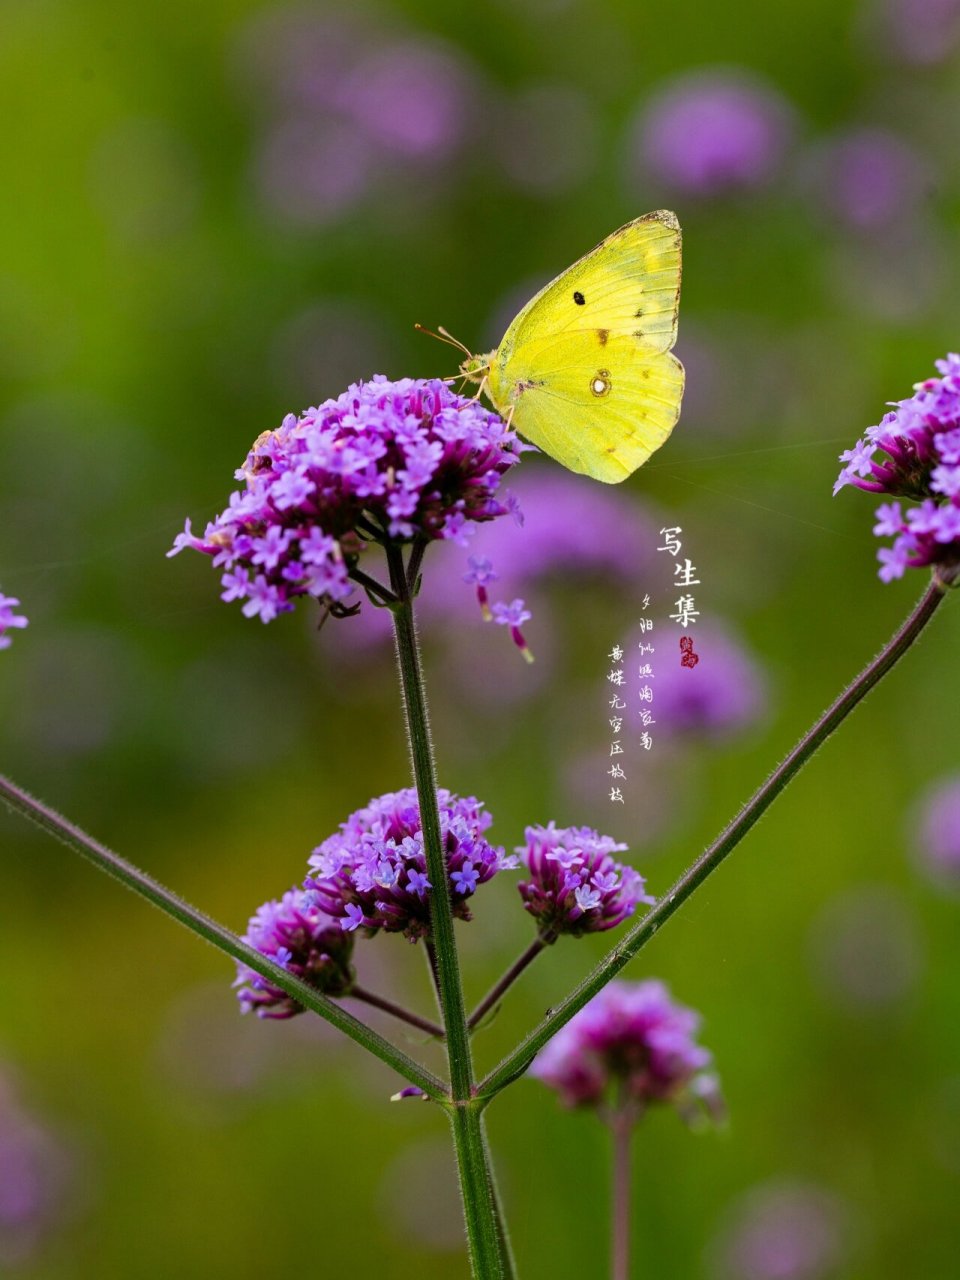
443,336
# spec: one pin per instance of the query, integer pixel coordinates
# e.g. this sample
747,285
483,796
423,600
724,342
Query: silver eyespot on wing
600,383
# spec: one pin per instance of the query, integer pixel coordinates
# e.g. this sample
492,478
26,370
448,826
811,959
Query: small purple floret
921,440
300,937
373,873
631,1042
514,615
576,886
8,619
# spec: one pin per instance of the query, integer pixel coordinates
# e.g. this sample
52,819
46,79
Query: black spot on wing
578,298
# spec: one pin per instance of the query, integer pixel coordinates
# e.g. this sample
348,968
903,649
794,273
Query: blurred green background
218,213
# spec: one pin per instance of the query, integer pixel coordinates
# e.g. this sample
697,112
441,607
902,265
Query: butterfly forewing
628,285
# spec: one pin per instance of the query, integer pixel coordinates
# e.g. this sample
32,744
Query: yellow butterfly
585,371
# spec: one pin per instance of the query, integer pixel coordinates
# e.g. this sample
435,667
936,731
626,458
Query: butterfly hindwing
599,412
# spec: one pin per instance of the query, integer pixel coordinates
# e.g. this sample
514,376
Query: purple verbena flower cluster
386,461
576,886
630,1043
302,939
8,619
921,438
373,873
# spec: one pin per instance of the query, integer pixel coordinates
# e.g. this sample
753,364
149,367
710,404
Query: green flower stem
486,1234
517,1062
441,909
396,1011
487,1240
216,934
433,969
540,942
374,589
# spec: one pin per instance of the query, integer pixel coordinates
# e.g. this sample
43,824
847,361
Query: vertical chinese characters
617,706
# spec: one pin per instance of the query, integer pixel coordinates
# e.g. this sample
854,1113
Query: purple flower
411,98
514,615
867,950
465,880
921,440
300,937
723,695
576,886
938,823
630,1042
8,619
352,918
924,32
373,872
35,1178
480,573
387,461
782,1231
869,179
707,134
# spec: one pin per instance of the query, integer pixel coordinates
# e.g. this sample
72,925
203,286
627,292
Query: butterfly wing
628,284
601,415
585,369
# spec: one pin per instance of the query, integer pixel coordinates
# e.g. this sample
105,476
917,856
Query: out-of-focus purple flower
33,1176
305,941
867,950
373,873
311,172
9,621
576,886
572,528
921,438
723,695
924,32
574,534
711,133
291,57
388,461
937,827
868,178
782,1231
632,1042
411,97
574,531
347,111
